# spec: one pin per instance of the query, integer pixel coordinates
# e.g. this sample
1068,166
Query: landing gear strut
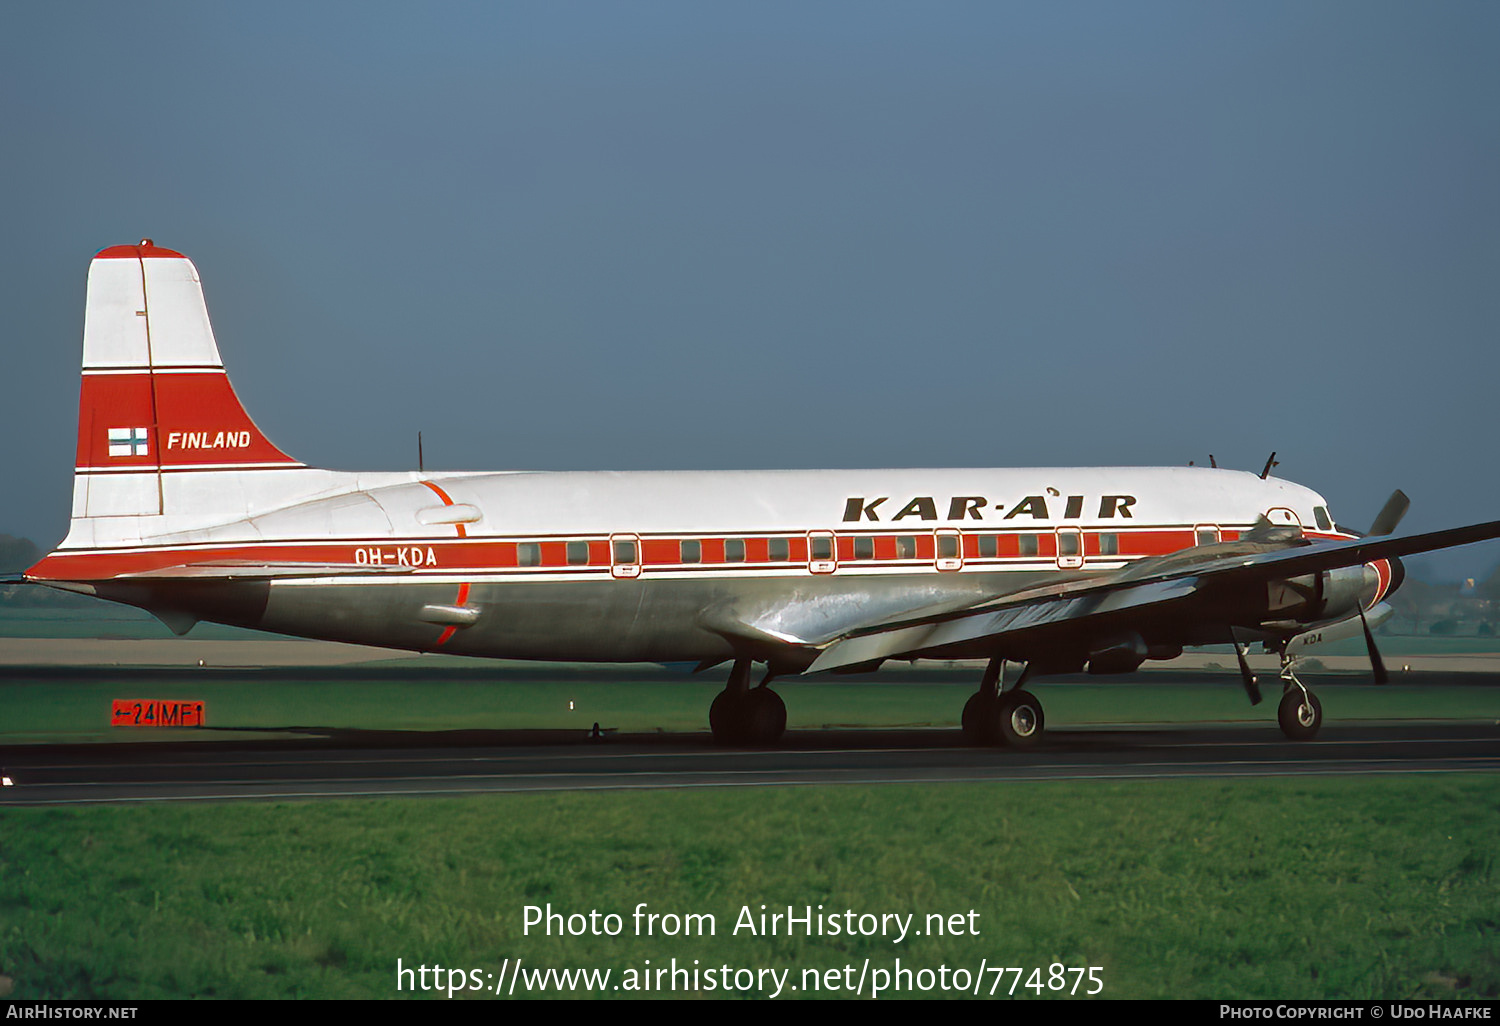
742,715
978,717
1012,718
1300,714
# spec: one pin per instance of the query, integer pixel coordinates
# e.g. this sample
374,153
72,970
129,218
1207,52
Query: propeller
1390,514
1386,521
1376,663
1246,677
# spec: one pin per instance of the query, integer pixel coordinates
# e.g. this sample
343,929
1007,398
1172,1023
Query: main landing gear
1011,718
742,715
1300,714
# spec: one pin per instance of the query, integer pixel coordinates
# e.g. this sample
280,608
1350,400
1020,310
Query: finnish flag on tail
129,442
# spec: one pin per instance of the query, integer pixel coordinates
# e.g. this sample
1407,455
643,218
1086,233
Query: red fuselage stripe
914,552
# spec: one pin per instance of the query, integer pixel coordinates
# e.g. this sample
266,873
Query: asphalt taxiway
347,764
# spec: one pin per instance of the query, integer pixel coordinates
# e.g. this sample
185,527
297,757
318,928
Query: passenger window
1029,545
987,546
1208,537
578,553
864,548
822,547
734,550
1109,544
625,552
906,547
691,550
1067,543
780,550
947,546
529,554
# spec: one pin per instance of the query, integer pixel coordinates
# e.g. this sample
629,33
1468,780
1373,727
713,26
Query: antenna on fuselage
1270,462
1213,462
420,468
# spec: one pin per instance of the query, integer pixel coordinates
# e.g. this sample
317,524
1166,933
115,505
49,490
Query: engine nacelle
1330,595
1124,653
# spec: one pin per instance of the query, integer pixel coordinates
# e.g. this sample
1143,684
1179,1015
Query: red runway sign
156,712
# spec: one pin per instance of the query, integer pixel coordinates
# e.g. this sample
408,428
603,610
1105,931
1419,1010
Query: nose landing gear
1300,714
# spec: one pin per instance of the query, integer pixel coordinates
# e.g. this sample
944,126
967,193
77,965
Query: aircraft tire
756,717
764,717
1299,720
726,718
1018,720
978,720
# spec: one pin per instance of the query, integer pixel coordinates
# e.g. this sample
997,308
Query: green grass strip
1313,888
72,710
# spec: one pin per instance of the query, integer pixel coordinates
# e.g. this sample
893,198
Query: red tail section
167,418
155,398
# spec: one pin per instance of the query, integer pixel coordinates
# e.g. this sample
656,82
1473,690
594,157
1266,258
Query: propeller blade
1025,676
1390,514
1246,677
1376,663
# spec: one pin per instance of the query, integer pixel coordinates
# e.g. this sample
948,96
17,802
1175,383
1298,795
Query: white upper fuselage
345,518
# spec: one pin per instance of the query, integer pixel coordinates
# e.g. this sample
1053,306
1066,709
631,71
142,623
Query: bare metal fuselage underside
607,620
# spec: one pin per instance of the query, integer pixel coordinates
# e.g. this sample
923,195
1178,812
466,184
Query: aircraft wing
995,623
1079,600
1315,556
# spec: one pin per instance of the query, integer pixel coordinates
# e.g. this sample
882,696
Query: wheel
754,717
726,718
763,717
979,719
1018,720
1299,716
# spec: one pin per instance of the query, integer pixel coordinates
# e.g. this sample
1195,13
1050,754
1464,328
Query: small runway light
7,782
570,705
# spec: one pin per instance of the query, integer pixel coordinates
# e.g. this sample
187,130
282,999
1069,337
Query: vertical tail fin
155,399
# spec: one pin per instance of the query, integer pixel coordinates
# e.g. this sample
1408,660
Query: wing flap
1015,618
815,621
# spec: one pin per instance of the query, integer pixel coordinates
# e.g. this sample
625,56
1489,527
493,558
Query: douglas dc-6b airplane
182,507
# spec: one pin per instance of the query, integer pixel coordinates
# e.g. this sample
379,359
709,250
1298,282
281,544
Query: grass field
76,707
1368,887
1203,889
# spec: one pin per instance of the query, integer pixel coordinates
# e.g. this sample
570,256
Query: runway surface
343,764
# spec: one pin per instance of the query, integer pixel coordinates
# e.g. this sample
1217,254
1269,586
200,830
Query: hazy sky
687,235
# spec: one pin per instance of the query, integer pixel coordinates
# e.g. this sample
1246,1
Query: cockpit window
1320,513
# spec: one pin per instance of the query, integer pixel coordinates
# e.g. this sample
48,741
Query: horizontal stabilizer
246,569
